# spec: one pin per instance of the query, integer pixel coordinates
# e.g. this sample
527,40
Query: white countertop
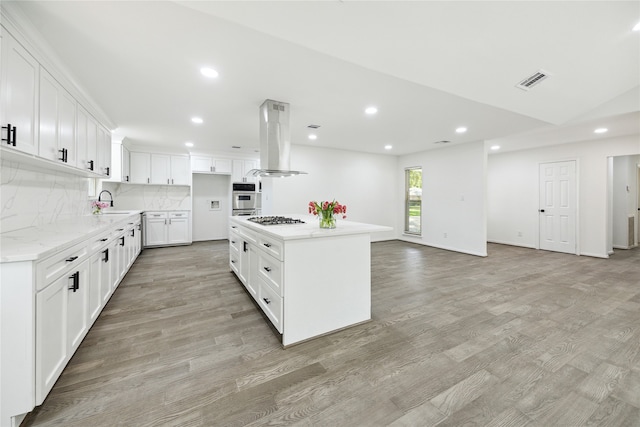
38,242
311,228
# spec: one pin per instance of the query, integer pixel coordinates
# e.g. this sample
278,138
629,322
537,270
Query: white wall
210,224
33,197
512,190
453,197
366,183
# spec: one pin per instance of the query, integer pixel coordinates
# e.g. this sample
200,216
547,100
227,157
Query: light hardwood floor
522,337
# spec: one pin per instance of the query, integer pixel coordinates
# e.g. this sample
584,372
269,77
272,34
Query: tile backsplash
31,198
149,197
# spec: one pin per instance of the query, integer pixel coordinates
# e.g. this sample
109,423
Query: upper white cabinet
103,146
205,164
19,75
159,169
126,166
140,165
57,139
240,169
41,117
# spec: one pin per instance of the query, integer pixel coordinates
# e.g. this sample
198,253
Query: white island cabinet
54,282
308,281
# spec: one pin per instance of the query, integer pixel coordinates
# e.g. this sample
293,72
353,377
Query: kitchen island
308,281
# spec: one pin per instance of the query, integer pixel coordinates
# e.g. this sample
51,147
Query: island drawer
271,304
270,270
51,268
234,241
271,246
234,262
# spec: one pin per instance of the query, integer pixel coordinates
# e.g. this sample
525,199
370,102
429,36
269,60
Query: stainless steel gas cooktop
274,220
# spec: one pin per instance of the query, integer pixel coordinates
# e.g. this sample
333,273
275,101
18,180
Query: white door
557,209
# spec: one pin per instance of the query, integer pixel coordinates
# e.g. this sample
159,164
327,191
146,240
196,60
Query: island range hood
275,141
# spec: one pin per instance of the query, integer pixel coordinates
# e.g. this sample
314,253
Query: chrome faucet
110,197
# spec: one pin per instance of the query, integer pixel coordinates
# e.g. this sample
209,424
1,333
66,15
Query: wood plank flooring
520,338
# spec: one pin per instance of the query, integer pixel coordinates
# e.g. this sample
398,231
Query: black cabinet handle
266,300
76,281
268,245
233,241
106,255
126,178
133,232
11,134
541,210
122,241
64,153
120,229
107,169
104,240
90,165
233,261
267,269
71,259
245,246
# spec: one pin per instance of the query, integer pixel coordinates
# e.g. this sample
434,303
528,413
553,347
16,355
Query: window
413,201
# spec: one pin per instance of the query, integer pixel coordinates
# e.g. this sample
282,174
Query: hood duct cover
275,141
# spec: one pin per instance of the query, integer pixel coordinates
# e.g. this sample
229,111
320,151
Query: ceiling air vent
533,80
444,141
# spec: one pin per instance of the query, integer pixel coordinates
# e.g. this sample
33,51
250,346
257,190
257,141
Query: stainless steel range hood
275,141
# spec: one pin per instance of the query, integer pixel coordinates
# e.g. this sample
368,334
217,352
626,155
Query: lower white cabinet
162,228
52,303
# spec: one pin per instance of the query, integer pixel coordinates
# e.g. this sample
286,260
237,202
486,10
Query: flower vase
97,211
327,220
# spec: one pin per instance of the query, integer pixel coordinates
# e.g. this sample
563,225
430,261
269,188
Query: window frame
407,207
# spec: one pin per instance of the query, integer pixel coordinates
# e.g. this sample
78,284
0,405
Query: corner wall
453,198
366,183
512,191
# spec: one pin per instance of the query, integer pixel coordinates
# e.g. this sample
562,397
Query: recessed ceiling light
461,129
209,72
189,144
636,27
388,147
371,110
495,147
197,120
313,136
601,130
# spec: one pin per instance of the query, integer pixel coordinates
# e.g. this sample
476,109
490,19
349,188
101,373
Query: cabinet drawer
271,246
270,269
271,304
234,242
178,214
234,262
248,235
156,215
101,241
52,267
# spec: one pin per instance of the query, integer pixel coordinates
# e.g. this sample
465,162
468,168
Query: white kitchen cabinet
126,166
163,228
160,169
240,169
180,172
92,144
57,131
77,306
94,297
51,335
19,82
140,164
82,138
178,228
103,145
205,164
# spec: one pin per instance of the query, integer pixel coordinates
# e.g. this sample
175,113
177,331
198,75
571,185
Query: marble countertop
39,242
310,229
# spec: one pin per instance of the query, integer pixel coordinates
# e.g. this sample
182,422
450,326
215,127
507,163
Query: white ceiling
428,66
